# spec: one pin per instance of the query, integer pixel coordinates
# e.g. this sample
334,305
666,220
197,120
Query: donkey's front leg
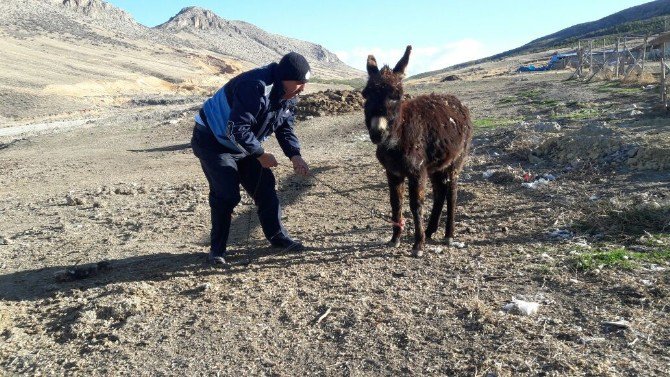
417,186
397,190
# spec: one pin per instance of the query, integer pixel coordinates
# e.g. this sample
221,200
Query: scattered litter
487,174
549,177
323,316
620,324
536,184
649,87
635,112
522,307
458,245
646,282
591,339
575,281
561,234
594,197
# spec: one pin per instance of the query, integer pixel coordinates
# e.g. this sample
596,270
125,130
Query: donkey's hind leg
439,191
451,195
396,190
417,186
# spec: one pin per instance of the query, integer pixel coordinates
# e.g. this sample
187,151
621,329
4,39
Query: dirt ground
125,189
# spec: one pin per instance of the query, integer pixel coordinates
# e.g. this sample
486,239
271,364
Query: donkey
420,138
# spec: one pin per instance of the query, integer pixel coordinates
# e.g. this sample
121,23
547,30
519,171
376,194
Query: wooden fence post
618,58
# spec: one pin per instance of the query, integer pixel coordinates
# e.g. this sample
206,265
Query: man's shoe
288,244
216,259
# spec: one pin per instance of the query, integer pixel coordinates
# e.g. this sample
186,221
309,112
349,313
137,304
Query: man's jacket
248,109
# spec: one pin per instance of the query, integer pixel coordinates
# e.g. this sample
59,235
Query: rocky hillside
612,24
65,56
649,18
245,41
95,9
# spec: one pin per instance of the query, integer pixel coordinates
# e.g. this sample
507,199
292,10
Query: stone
547,127
533,159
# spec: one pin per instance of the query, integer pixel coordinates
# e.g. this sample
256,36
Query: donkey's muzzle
378,129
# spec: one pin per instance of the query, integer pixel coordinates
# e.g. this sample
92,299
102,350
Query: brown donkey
427,136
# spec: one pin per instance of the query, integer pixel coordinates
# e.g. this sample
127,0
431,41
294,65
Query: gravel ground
122,201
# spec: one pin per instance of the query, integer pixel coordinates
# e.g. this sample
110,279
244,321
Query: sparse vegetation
581,114
615,87
621,258
495,122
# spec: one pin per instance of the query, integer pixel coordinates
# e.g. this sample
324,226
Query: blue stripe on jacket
248,109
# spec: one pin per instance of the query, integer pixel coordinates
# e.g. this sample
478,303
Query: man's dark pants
225,172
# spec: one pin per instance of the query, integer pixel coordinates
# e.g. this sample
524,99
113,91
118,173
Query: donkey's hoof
417,253
393,243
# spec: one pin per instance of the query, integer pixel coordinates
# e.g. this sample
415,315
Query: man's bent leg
260,183
224,195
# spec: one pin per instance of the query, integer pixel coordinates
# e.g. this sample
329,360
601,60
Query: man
227,137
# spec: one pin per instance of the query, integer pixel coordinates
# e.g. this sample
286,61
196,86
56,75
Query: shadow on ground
41,283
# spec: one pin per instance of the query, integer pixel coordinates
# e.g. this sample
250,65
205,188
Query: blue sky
442,33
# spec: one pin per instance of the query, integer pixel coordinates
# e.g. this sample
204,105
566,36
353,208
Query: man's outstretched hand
268,160
300,166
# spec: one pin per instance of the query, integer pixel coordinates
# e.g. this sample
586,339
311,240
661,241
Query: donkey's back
435,129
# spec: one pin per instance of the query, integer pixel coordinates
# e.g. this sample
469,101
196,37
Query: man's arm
247,104
289,143
287,139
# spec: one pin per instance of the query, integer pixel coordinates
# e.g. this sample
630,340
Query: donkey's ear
372,66
402,63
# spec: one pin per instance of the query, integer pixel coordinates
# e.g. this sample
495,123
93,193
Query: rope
373,211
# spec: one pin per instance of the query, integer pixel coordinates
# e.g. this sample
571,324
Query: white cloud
423,58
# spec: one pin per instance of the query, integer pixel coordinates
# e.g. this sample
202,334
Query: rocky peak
195,18
95,9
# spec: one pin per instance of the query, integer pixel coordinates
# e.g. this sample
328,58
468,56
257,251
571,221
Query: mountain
67,56
649,18
619,22
245,41
95,9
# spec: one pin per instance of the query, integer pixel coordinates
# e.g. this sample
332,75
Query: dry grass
625,221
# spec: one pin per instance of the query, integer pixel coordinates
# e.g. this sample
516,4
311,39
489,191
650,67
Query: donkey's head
382,94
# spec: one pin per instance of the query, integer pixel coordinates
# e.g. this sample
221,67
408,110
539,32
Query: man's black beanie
294,66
